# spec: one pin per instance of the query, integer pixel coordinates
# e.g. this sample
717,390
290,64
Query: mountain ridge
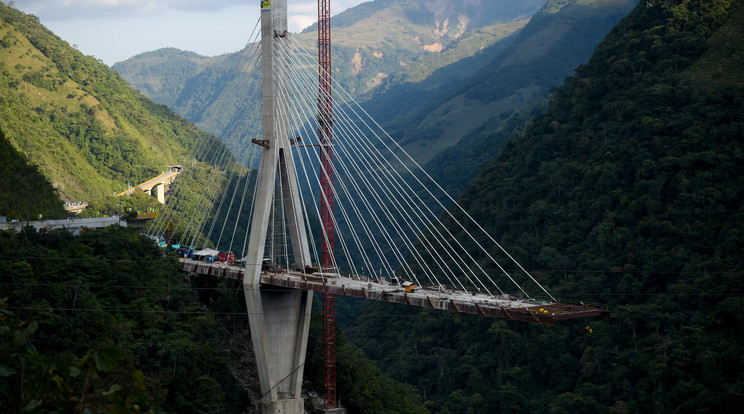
407,103
500,99
392,56
77,119
159,91
626,191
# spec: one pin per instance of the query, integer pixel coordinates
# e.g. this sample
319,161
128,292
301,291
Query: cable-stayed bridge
505,306
314,196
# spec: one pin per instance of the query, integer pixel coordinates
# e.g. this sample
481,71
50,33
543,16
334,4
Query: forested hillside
163,74
76,119
103,322
626,191
499,101
24,192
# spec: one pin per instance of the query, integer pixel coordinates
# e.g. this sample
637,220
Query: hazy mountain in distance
376,40
161,74
376,43
449,79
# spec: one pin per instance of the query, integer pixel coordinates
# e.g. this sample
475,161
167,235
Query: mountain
451,80
388,42
403,39
456,130
24,192
161,75
76,119
627,190
108,303
406,40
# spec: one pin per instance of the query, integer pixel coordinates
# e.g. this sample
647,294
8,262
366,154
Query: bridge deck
505,307
149,184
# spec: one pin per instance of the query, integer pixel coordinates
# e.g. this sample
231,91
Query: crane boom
325,125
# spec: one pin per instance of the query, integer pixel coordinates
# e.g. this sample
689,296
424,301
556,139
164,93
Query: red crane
325,126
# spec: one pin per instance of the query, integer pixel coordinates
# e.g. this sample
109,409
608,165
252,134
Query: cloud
77,9
302,14
299,22
337,6
124,28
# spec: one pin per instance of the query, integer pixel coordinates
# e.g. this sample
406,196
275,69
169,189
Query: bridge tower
279,318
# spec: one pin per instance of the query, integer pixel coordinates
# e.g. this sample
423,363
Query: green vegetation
24,192
625,191
126,205
362,387
162,75
377,46
456,135
85,129
115,318
63,386
452,108
103,322
78,120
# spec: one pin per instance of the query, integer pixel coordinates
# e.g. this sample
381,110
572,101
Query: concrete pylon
160,191
279,318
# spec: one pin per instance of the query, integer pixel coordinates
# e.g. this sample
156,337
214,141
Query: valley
599,140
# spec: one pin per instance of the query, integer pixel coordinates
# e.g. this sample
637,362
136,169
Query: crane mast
325,126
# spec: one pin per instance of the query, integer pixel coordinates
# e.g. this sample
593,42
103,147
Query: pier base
279,321
292,406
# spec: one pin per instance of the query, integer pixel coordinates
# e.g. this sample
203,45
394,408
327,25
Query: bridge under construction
545,312
334,197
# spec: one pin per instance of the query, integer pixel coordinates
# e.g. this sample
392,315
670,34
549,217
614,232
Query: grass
74,118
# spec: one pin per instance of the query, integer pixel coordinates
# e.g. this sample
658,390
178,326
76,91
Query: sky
115,30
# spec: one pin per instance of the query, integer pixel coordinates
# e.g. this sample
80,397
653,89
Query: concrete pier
279,317
279,321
